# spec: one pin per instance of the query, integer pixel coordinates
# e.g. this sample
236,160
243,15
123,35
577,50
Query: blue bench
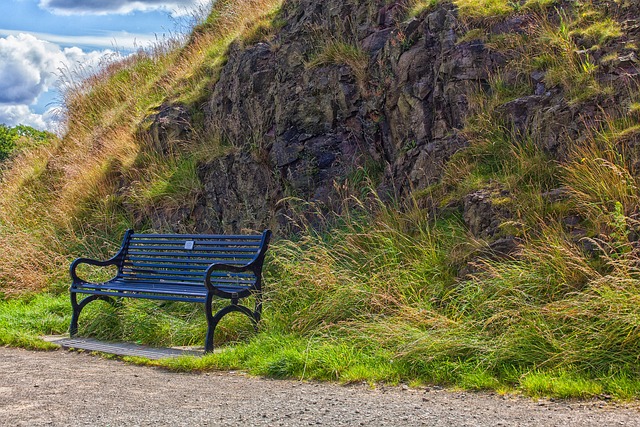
180,267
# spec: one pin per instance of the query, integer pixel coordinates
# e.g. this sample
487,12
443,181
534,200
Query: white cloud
106,40
30,67
26,68
104,7
13,115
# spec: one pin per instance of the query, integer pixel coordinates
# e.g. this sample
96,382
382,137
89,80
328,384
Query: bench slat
178,263
197,274
198,280
172,297
194,272
199,236
197,248
208,251
154,288
175,257
220,243
137,286
149,264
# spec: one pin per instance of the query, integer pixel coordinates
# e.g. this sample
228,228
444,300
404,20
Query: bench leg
257,314
213,320
77,308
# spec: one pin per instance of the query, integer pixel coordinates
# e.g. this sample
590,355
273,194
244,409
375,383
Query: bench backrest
184,258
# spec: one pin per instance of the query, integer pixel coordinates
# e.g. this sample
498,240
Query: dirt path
72,389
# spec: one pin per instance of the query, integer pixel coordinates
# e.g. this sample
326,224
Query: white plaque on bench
188,244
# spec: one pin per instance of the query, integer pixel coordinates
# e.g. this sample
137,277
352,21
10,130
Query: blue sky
38,38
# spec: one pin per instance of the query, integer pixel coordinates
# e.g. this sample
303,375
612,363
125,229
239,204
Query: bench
180,267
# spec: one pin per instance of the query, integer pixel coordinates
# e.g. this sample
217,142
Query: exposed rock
504,246
317,125
170,126
485,210
240,194
300,131
376,41
556,195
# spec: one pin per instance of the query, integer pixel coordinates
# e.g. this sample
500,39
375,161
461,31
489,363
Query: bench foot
78,306
213,320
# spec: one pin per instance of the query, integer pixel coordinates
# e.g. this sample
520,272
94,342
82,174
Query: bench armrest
232,268
78,261
116,260
255,265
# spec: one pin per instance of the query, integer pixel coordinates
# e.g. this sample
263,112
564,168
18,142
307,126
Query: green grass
419,6
476,11
171,185
281,354
24,321
339,52
539,5
479,10
564,384
520,326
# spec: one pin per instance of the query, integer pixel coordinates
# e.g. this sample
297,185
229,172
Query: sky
42,40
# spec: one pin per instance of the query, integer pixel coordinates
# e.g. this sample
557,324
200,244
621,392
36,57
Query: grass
378,300
470,11
340,52
564,384
542,324
419,6
483,10
23,321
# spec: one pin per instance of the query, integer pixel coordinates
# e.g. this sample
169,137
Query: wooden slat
252,243
169,297
192,272
181,260
188,275
193,275
148,278
168,268
137,286
181,263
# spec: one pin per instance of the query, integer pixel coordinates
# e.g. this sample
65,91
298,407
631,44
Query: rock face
239,194
300,128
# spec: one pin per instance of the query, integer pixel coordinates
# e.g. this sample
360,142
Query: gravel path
63,388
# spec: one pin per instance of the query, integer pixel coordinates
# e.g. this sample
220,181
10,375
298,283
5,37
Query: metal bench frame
180,267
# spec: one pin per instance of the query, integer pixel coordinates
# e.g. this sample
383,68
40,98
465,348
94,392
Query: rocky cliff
351,89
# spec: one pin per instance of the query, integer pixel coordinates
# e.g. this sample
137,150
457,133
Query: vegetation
342,53
383,292
21,137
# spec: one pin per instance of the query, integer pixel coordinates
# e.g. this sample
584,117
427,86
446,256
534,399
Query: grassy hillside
384,291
